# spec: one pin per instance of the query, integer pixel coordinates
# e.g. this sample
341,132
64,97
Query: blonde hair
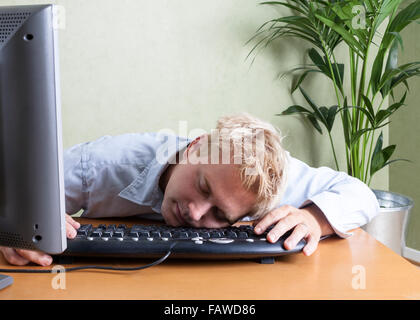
264,161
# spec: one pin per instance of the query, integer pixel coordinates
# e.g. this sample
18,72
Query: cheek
181,185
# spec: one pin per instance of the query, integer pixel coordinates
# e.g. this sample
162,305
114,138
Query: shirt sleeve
346,202
74,182
96,171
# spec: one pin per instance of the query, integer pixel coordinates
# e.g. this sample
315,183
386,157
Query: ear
194,145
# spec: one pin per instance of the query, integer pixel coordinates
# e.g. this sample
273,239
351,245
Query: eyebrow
224,216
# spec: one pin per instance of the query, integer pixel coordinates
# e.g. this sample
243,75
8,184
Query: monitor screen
32,205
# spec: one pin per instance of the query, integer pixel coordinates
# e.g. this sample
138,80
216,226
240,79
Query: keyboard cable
154,263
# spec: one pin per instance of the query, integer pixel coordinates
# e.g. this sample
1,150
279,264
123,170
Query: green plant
359,25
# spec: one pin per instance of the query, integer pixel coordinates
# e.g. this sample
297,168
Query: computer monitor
32,204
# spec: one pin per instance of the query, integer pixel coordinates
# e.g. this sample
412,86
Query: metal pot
390,224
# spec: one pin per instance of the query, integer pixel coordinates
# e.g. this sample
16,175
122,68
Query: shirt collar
144,190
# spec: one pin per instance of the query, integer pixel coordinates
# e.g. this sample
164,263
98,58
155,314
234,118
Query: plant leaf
389,162
294,109
314,122
284,4
314,107
388,151
390,65
346,123
318,61
347,36
405,17
386,9
377,161
338,70
300,79
357,135
332,112
370,113
380,156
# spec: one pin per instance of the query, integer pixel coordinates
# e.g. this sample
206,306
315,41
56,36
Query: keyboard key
111,227
118,234
204,235
143,234
97,232
82,232
230,234
133,234
193,234
86,227
107,233
242,235
166,234
137,228
216,234
180,235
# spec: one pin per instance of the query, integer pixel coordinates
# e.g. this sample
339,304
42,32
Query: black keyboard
152,241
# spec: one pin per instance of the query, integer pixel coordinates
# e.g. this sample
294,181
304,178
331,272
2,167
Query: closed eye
203,187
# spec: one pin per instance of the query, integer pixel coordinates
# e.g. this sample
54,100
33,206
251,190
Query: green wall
405,133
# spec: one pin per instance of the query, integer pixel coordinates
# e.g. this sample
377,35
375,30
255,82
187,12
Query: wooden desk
330,273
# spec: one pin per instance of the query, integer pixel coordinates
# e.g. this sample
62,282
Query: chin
168,216
164,213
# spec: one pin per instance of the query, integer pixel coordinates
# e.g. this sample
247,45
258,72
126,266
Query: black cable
90,267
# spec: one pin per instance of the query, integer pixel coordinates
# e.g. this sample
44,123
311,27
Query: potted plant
370,30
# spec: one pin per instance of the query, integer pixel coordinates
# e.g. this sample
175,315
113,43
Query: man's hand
309,223
21,257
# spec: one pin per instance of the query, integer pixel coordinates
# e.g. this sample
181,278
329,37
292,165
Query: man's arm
318,202
346,202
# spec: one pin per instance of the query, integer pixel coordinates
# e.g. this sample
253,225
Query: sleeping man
239,171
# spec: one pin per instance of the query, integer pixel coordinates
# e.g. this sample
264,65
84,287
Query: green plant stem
338,100
371,144
333,150
359,119
353,76
365,139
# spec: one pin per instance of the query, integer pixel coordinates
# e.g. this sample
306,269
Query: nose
198,209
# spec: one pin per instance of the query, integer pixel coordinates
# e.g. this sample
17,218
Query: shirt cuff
332,219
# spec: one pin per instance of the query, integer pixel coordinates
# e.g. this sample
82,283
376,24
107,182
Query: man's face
205,195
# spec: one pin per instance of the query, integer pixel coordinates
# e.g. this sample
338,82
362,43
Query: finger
37,257
284,225
71,221
256,221
311,245
13,257
271,218
299,232
71,232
